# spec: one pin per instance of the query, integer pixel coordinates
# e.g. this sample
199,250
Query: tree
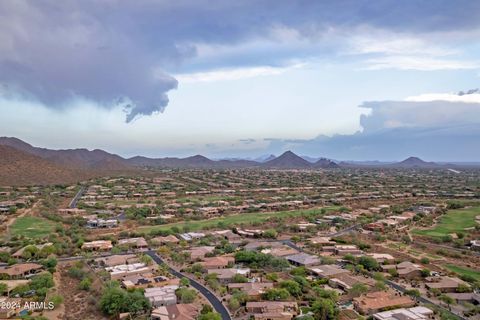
186,295
50,264
447,299
292,287
3,288
368,263
206,308
358,289
425,273
463,288
112,301
324,309
184,282
210,316
414,293
276,294
85,284
238,278
233,303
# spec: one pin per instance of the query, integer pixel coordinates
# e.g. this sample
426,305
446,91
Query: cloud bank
433,126
116,52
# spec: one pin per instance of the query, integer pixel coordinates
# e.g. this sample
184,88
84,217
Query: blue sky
340,79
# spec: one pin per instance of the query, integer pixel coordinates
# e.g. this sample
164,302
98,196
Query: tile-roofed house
374,302
470,297
217,262
198,253
281,251
226,275
327,270
272,308
252,289
444,284
165,240
303,259
346,281
175,312
139,243
415,313
344,249
22,270
98,245
117,260
382,257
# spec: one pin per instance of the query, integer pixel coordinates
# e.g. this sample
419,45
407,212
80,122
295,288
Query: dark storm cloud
110,51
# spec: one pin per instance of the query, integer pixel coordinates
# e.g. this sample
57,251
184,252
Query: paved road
73,203
421,299
216,303
344,231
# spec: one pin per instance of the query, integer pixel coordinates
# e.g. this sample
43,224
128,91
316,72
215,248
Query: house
175,312
475,245
98,245
253,290
406,269
470,297
345,281
143,280
217,262
444,284
20,271
226,275
303,259
342,250
228,235
116,260
327,271
199,253
255,245
123,270
102,223
382,257
165,240
137,243
374,302
322,241
415,313
280,251
190,236
272,309
161,296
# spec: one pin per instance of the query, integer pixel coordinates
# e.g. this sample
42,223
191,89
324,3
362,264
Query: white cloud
418,63
235,73
466,98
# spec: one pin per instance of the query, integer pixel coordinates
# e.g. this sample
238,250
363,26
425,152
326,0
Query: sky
347,80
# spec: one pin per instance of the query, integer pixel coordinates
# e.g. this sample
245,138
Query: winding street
73,203
216,303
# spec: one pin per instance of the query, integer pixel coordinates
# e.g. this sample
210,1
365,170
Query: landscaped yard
32,227
453,221
235,220
464,271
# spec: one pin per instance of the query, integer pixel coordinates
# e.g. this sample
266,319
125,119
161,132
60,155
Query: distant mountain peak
288,159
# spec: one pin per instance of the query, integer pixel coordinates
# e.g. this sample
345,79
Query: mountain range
22,163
